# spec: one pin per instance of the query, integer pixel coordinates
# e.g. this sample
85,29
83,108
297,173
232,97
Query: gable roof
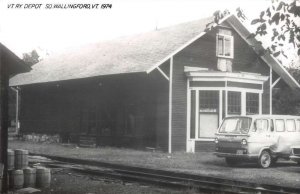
138,53
123,55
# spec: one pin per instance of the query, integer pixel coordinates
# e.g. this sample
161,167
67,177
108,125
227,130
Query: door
208,114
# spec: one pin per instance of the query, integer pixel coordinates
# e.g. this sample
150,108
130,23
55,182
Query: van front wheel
265,159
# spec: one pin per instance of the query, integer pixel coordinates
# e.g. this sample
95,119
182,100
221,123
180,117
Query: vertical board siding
57,108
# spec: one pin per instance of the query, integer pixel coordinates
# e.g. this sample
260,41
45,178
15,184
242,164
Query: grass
116,155
284,173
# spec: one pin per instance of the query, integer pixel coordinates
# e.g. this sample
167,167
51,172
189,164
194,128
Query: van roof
267,116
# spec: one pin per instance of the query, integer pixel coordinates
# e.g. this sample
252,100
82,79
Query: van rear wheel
231,161
265,159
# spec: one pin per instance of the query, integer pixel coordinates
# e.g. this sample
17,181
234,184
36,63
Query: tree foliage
286,100
31,58
219,15
282,19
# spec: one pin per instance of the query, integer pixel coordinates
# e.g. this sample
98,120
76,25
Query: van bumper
295,158
241,156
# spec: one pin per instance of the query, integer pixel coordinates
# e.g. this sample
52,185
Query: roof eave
16,65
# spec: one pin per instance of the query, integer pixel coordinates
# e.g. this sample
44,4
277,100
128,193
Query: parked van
259,138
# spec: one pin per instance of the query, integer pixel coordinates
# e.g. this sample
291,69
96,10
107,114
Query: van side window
272,125
290,125
261,125
279,125
298,124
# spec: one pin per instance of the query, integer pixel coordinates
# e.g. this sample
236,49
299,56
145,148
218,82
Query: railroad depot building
168,89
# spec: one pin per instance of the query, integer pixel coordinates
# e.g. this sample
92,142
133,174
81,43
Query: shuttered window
224,46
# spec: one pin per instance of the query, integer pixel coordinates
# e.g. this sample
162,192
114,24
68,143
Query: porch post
271,92
170,106
188,116
243,103
226,102
260,103
197,114
220,106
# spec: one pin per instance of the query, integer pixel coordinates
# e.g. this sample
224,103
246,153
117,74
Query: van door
289,138
279,136
261,135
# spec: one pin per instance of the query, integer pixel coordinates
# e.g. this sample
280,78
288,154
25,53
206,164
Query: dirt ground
284,173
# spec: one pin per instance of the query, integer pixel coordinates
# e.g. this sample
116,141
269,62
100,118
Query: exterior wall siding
58,108
52,108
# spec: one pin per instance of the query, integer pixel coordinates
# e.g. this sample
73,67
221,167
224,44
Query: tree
282,20
31,58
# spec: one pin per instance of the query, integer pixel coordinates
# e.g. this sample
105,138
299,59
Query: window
234,103
240,125
209,101
290,125
224,46
261,125
279,125
298,124
252,103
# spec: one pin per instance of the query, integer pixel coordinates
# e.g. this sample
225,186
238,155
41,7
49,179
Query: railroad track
166,178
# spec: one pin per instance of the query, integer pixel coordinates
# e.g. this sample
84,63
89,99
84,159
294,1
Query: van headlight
244,142
216,140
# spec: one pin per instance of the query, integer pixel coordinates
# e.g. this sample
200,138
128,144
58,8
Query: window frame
262,119
298,125
283,125
295,125
231,56
250,103
234,106
210,100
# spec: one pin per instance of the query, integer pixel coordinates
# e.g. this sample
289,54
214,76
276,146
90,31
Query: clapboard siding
204,146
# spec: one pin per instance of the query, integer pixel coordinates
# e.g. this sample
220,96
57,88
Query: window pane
279,125
252,103
208,101
220,45
290,125
234,103
227,51
261,125
236,125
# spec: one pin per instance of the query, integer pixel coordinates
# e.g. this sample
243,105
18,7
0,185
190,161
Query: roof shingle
130,54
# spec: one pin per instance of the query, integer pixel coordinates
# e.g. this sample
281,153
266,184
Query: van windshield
239,125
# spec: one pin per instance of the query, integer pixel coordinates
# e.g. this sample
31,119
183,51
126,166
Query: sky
54,30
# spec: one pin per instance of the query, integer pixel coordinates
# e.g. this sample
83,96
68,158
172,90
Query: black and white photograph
149,96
